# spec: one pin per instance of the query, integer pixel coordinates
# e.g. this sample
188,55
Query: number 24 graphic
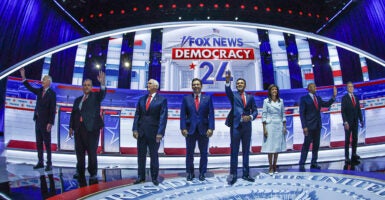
219,74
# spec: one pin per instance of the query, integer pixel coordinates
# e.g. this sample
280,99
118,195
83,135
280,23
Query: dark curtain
362,26
155,55
62,65
292,58
127,51
266,58
26,28
323,74
350,66
96,55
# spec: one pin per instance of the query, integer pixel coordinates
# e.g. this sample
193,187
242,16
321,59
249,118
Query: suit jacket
237,108
45,108
191,119
309,114
90,111
350,113
153,121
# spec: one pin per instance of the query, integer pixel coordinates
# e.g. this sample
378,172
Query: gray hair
155,82
48,77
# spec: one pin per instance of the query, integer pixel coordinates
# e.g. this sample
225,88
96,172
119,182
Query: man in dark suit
351,113
243,111
149,126
197,125
310,114
86,122
44,117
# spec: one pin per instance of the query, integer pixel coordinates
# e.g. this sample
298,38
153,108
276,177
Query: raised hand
22,73
102,78
228,76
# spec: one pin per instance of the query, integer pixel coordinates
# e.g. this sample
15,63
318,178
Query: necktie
315,102
148,101
81,104
353,101
243,99
196,102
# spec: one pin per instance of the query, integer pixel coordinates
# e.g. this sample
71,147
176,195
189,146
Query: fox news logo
220,48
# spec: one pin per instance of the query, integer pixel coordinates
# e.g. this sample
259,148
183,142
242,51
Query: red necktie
43,93
243,99
315,102
353,101
196,102
83,99
148,101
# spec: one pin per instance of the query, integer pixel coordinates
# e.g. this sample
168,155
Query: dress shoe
48,168
93,180
155,182
347,161
302,168
190,176
275,169
232,180
202,177
315,166
38,166
248,178
355,157
76,175
355,162
139,181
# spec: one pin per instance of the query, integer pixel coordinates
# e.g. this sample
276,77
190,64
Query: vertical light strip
335,64
113,61
46,65
364,68
304,61
80,60
280,63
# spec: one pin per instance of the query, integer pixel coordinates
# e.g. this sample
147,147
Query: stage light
188,5
255,7
81,20
180,18
92,15
215,5
122,12
227,5
201,5
147,8
173,6
97,66
160,5
134,9
279,10
242,7
127,64
268,9
317,15
290,12
327,18
112,12
208,17
236,18
300,13
309,14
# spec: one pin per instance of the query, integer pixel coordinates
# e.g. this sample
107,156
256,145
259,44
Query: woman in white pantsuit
274,127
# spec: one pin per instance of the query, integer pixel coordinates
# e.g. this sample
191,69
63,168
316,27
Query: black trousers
353,130
86,141
238,135
143,143
312,137
203,142
42,136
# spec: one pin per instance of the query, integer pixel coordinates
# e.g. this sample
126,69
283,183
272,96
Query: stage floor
363,181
